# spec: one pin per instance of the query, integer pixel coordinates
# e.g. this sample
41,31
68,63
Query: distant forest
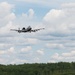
61,68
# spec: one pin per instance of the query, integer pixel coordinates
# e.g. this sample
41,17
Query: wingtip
10,29
43,28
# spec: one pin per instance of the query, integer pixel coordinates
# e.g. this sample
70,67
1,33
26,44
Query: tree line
60,68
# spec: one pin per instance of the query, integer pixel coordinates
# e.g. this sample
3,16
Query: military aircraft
28,29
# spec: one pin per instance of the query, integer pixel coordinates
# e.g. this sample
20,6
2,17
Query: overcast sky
54,44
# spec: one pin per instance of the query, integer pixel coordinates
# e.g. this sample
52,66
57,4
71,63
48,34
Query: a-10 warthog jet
24,30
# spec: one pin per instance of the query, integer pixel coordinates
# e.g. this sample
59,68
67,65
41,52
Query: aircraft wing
37,29
14,30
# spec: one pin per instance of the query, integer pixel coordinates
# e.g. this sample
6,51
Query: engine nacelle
23,28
